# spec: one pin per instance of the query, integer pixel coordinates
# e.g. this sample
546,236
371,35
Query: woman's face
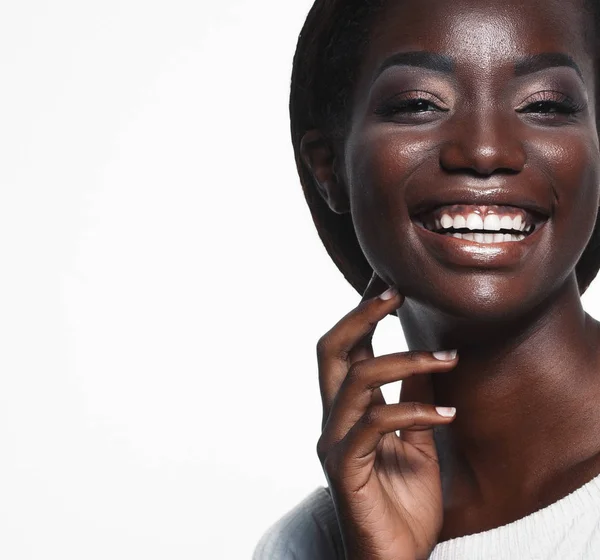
474,107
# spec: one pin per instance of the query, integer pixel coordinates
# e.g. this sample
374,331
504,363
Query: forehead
479,35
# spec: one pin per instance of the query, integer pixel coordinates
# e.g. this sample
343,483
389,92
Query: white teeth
447,221
474,221
517,223
488,237
491,222
459,222
506,222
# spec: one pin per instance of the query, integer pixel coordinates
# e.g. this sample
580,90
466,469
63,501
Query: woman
449,150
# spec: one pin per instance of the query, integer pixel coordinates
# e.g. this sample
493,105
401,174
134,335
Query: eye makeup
551,97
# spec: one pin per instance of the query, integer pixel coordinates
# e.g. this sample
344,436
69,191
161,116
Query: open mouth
481,224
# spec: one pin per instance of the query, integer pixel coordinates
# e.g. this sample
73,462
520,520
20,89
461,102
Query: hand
386,489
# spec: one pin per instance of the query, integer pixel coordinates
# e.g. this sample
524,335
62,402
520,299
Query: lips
499,220
471,251
477,208
529,197
475,197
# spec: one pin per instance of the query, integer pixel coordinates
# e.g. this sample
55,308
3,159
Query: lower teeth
487,237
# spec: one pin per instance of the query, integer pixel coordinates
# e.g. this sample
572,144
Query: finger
421,389
363,350
333,349
418,389
375,287
364,378
360,444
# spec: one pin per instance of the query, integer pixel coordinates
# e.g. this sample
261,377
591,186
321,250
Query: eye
548,107
408,104
553,105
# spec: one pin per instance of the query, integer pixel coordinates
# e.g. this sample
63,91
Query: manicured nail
446,411
445,355
389,294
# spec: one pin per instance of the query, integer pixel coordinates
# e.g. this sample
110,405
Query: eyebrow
536,62
444,64
421,59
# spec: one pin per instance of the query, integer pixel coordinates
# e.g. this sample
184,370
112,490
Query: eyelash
564,105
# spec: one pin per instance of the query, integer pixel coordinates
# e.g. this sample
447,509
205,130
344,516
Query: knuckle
417,410
372,415
322,449
328,346
355,373
323,344
414,356
366,315
331,465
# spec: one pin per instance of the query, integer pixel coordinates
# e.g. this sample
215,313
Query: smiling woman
449,155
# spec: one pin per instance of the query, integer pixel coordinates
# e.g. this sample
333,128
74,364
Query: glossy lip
482,199
463,252
531,217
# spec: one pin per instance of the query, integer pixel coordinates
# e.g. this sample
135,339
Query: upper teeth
492,222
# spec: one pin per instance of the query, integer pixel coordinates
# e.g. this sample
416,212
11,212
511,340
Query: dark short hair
329,47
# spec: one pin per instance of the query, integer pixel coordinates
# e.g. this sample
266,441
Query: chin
479,300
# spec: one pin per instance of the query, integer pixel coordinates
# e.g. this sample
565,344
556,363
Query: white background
162,285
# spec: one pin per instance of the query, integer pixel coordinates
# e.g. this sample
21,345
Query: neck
525,391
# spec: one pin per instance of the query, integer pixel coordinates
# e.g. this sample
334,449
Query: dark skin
525,383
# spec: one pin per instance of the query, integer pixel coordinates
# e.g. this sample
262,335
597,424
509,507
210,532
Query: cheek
571,163
380,164
384,158
383,164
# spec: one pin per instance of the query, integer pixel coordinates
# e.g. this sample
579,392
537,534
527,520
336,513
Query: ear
317,153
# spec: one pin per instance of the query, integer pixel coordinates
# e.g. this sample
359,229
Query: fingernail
445,355
446,411
389,294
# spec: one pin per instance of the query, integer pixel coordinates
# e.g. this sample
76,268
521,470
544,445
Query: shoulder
309,531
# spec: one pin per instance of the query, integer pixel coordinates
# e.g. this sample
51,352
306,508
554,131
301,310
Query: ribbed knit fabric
568,529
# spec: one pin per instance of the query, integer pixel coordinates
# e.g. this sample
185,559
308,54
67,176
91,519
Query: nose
483,144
